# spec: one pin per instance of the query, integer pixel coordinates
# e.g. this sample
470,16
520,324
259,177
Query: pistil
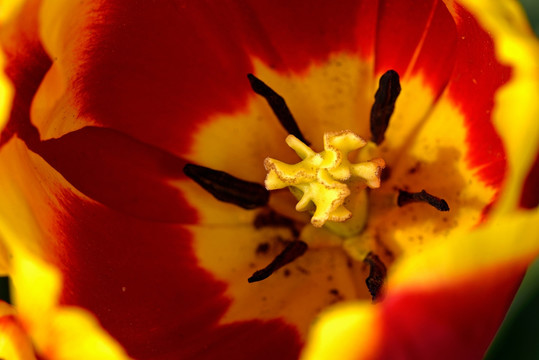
324,179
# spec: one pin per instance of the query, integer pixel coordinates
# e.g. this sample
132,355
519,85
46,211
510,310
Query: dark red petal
158,71
436,58
422,324
477,77
416,38
142,281
247,340
120,172
530,193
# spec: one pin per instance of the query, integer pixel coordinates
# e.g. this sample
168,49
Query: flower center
332,185
323,181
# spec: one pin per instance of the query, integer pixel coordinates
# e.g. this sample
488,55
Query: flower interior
209,179
342,210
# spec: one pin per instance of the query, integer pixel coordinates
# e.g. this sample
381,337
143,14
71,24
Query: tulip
144,137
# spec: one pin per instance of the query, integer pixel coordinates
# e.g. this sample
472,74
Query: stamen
278,105
406,197
384,103
377,275
227,188
290,253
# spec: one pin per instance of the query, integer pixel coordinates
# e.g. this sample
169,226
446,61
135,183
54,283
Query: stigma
324,182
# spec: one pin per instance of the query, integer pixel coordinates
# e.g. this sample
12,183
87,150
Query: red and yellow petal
14,343
448,300
410,44
39,323
517,105
85,224
154,264
30,328
443,321
171,90
56,332
26,64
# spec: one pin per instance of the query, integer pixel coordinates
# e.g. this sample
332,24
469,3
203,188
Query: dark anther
377,275
291,252
406,197
227,188
389,89
274,219
278,105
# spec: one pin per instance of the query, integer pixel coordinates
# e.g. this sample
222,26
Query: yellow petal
9,8
341,333
75,334
6,93
512,238
14,344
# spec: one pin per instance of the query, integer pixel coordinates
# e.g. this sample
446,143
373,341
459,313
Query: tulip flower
265,179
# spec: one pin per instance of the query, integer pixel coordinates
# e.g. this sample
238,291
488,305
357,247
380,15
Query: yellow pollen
324,178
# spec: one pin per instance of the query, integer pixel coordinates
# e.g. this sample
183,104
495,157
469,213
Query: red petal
120,172
416,38
422,324
477,77
158,71
27,63
141,279
530,193
454,50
